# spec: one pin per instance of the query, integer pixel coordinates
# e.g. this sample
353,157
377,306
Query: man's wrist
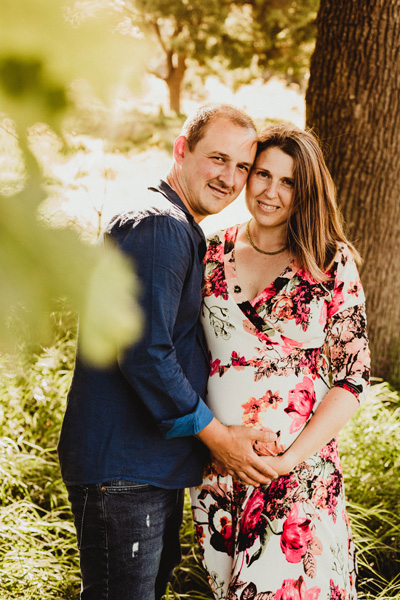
214,433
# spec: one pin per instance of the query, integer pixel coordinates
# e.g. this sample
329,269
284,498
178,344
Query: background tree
255,37
353,103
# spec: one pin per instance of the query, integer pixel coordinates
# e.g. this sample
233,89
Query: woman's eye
289,183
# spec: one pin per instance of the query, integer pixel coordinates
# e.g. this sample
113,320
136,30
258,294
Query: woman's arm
347,346
330,417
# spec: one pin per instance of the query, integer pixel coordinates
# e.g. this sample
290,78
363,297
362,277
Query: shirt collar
166,190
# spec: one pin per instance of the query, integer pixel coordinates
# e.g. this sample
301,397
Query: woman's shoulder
222,235
343,254
344,270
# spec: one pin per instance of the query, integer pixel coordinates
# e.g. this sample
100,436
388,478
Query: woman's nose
271,190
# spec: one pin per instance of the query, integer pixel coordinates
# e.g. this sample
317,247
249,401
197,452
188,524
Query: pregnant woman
284,318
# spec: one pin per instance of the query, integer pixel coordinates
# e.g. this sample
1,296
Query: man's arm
161,252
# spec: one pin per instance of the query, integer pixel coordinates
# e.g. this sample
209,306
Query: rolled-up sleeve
163,254
347,329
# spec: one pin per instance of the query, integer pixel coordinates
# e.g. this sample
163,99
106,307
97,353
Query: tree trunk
174,81
353,103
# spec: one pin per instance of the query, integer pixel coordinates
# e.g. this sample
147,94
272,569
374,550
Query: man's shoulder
155,206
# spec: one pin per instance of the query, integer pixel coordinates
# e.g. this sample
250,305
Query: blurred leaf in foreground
108,319
38,265
12,168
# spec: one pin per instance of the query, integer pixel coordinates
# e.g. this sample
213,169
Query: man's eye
218,158
243,168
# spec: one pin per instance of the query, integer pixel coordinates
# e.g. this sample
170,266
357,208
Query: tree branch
157,30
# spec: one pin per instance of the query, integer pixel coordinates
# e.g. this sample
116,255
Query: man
135,434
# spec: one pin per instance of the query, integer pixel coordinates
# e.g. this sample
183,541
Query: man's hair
315,223
194,128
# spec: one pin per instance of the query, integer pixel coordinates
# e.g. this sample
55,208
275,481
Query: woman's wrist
290,459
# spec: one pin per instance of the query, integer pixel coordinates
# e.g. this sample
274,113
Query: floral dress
272,362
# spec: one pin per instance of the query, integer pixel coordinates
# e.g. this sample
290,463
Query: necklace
259,249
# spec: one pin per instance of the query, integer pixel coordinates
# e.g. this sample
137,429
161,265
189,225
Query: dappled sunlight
262,100
94,184
93,179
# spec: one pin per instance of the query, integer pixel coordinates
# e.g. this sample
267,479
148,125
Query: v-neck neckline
233,284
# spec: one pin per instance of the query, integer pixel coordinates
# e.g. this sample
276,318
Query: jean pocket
78,496
125,485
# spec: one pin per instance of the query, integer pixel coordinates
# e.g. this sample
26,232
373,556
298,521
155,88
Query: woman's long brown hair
315,225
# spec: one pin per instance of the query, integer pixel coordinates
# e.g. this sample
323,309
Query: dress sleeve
347,339
162,255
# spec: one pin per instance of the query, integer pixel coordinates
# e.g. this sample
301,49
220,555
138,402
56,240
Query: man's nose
227,175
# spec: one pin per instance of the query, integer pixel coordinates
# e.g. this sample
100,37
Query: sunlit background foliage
92,95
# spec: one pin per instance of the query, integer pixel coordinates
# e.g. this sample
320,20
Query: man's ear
179,149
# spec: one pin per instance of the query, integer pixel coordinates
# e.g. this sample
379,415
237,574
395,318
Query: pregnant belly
271,403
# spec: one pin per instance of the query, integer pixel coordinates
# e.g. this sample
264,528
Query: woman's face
270,187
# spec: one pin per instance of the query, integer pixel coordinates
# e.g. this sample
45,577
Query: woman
285,323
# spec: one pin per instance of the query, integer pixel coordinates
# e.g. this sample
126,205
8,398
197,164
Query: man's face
214,173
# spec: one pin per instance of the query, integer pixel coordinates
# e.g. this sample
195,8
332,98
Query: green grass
370,450
38,557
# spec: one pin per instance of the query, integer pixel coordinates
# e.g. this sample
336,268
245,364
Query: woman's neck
266,238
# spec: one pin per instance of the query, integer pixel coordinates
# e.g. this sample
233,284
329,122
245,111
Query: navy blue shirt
136,419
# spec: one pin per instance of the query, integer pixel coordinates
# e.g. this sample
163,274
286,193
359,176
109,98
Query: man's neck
173,181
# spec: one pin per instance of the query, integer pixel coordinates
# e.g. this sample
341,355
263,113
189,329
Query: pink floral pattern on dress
296,590
250,521
301,402
272,361
337,593
296,536
254,406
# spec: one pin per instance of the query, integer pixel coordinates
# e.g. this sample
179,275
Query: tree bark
353,104
174,80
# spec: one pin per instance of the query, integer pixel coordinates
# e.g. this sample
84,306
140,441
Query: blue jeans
128,538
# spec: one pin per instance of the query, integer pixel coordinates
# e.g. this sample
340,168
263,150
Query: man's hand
232,446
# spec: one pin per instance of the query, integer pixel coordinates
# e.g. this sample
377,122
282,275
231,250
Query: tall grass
38,558
370,450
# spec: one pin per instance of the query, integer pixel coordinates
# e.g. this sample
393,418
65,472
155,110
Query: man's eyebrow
223,155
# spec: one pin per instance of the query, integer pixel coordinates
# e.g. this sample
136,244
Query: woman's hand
281,464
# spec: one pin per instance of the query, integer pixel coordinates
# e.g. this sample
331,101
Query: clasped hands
252,456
